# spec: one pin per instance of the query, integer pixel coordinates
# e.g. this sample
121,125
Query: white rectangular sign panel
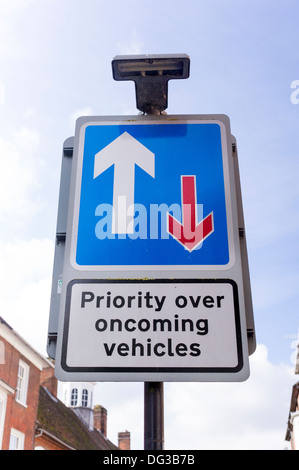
141,327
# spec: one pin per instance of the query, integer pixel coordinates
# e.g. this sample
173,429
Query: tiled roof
58,420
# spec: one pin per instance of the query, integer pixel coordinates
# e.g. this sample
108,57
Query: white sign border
166,374
81,128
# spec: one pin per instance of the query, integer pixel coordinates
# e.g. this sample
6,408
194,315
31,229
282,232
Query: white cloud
2,92
9,44
25,280
23,262
12,5
87,111
270,194
249,415
203,416
20,173
30,112
132,45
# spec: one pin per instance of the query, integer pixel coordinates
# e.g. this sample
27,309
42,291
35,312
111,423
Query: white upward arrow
124,153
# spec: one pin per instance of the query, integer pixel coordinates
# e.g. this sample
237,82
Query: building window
2,353
74,397
16,440
3,399
22,383
295,434
84,397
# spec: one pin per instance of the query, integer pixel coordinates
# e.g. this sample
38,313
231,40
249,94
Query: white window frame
22,383
17,439
2,352
74,396
3,401
295,433
84,399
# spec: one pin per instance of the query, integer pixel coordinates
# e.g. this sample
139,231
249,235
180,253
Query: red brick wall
22,418
49,380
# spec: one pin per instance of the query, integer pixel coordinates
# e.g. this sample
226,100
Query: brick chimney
100,419
48,380
124,440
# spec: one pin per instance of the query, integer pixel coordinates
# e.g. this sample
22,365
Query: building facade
79,397
20,372
58,427
32,416
292,434
293,421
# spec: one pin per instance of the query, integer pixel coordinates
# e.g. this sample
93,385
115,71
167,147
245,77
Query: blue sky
55,65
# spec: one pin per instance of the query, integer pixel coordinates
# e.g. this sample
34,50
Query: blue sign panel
152,194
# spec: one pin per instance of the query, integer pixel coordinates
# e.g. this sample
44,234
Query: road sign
153,277
163,326
138,181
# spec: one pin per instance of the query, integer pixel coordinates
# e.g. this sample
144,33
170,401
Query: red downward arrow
190,233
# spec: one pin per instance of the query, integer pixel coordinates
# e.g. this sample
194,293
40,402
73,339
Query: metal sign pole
153,398
151,75
153,416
